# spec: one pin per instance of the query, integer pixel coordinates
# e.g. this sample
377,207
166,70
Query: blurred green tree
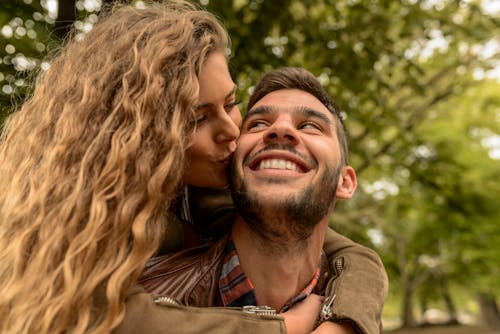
437,213
404,74
24,39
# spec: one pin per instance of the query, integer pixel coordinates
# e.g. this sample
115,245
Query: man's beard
291,219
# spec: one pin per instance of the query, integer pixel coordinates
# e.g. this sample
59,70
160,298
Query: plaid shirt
237,290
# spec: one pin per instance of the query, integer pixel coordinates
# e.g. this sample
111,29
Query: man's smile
278,164
278,160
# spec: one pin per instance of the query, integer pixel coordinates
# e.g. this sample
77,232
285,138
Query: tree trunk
489,310
66,15
407,316
448,301
407,311
424,305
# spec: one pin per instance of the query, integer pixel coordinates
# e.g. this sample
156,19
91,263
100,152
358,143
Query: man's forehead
290,97
292,100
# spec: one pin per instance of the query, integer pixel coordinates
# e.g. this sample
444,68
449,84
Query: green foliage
402,73
442,225
470,189
25,39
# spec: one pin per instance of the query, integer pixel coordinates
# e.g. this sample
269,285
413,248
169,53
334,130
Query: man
288,171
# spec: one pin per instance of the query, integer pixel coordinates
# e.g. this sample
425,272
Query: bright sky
491,6
52,7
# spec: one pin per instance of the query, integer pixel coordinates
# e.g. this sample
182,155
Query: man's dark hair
299,78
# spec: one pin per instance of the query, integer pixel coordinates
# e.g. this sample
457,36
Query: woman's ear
347,183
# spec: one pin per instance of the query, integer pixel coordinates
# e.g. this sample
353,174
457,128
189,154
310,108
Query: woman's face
218,121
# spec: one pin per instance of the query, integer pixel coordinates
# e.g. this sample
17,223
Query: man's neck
278,276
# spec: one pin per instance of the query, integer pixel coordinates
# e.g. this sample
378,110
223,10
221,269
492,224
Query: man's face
288,158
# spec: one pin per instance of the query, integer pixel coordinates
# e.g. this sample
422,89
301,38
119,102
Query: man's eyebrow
304,111
208,104
261,110
308,112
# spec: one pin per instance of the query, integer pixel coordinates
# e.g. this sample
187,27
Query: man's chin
275,197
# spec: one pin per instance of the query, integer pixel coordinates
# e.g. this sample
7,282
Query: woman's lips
226,160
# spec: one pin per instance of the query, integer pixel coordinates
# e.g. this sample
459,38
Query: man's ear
347,183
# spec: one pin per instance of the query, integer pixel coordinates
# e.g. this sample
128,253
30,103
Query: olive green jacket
144,315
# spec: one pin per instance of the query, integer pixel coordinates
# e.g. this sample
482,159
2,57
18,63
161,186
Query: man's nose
282,130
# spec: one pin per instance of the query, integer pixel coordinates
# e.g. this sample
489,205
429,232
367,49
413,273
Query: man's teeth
278,164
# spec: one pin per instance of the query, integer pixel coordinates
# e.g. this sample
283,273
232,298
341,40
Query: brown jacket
144,315
192,276
355,293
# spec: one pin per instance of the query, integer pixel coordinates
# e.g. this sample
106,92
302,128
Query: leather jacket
192,276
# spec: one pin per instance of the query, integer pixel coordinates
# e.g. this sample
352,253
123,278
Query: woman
91,166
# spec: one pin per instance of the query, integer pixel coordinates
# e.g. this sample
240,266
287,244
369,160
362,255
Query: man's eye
310,125
256,125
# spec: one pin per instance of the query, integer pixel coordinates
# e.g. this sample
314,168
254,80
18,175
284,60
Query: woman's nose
228,129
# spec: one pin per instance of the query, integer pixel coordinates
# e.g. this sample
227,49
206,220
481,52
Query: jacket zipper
259,310
251,309
326,311
163,300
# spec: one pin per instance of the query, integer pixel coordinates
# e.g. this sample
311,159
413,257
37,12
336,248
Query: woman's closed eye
200,117
229,106
203,113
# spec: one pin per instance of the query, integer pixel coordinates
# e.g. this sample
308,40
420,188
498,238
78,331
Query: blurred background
419,86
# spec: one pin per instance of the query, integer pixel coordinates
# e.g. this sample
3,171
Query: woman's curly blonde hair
91,162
